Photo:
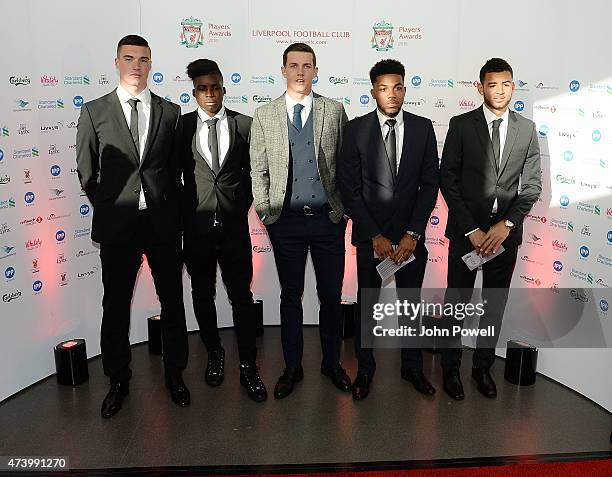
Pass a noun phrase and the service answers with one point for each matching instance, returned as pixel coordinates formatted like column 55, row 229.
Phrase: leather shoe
column 339, row 378
column 418, row 380
column 215, row 367
column 114, row 398
column 361, row 387
column 453, row 386
column 284, row 385
column 485, row 382
column 178, row 391
column 251, row 380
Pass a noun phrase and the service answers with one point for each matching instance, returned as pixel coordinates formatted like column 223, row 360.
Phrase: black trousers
column 408, row 281
column 230, row 247
column 120, row 265
column 292, row 235
column 496, row 279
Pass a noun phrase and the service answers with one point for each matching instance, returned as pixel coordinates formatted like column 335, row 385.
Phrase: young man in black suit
column 128, row 153
column 389, row 184
column 218, row 196
column 490, row 180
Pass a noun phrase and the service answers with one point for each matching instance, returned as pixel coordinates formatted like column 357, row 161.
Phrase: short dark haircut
column 387, row 67
column 494, row 65
column 303, row 47
column 203, row 67
column 133, row 40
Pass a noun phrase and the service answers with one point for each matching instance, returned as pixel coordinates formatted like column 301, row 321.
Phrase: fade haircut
column 495, row 65
column 387, row 67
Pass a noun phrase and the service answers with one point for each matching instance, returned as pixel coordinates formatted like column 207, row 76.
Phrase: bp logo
column 77, row 101
column 584, row 251
column 158, row 78
column 364, row 99
column 37, row 286
column 185, row 98
column 55, row 170
column 60, row 235
column 519, row 106
column 84, row 209
column 564, row 201
column 236, row 78
column 434, row 220
column 604, row 305
column 574, row 86
column 191, row 33
column 29, row 197
column 382, row 37
column 558, row 266
column 9, row 273
column 416, row 81
column 610, row 236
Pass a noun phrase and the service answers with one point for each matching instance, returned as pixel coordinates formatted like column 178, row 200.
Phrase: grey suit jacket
column 270, row 154
column 471, row 179
column 111, row 172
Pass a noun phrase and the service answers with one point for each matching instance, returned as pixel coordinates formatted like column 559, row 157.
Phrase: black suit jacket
column 377, row 202
column 229, row 192
column 111, row 172
column 471, row 179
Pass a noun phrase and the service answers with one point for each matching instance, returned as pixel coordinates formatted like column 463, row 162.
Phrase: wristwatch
column 509, row 224
column 416, row 237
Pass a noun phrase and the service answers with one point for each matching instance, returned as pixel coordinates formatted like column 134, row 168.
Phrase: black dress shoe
column 419, row 381
column 114, row 398
column 178, row 391
column 486, row 385
column 453, row 386
column 215, row 368
column 251, row 380
column 361, row 387
column 339, row 378
column 284, row 385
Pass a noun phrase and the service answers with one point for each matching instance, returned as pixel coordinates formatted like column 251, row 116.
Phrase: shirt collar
column 205, row 117
column 144, row 96
column 306, row 102
column 382, row 118
column 490, row 116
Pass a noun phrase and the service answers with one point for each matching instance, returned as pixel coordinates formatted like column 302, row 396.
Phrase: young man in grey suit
column 295, row 143
column 128, row 153
column 216, row 173
column 490, row 179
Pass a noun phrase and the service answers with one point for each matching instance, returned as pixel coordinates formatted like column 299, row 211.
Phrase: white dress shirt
column 144, row 114
column 223, row 136
column 399, row 132
column 306, row 102
column 490, row 116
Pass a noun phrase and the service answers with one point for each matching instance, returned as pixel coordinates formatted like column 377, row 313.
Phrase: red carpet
column 590, row 468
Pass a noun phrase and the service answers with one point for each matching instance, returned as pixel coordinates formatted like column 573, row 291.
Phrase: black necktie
column 213, row 144
column 297, row 116
column 390, row 145
column 134, row 123
column 495, row 139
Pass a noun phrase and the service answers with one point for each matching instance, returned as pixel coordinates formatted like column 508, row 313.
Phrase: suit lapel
column 122, row 126
column 318, row 109
column 281, row 117
column 511, row 135
column 154, row 120
column 482, row 131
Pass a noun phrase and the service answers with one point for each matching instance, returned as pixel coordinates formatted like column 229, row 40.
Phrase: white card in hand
column 473, row 260
column 388, row 267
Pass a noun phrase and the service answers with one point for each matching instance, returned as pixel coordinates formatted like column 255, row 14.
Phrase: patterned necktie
column 390, row 144
column 213, row 144
column 297, row 116
column 134, row 123
column 495, row 139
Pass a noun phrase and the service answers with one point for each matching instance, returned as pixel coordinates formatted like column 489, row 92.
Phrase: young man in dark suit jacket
column 216, row 174
column 128, row 153
column 389, row 184
column 490, row 180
